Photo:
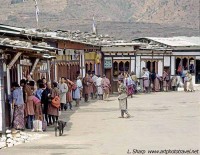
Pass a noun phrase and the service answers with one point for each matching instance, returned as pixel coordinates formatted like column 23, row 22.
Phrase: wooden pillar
column 156, row 67
column 151, row 66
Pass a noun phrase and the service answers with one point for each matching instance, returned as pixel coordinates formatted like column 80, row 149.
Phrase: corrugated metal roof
column 177, row 41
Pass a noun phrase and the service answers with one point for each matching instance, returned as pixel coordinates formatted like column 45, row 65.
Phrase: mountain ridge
column 121, row 18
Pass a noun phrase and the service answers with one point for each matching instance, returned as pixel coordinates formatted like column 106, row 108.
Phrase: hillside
column 121, row 18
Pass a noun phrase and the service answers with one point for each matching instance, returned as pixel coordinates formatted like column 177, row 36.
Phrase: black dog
column 60, row 125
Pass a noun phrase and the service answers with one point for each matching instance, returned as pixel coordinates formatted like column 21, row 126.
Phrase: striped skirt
column 18, row 117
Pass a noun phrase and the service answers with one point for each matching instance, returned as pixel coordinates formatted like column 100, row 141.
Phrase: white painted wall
column 118, row 49
column 143, row 64
column 138, row 68
column 121, row 58
column 132, row 65
column 160, row 68
column 186, row 53
column 167, row 61
column 83, row 63
column 173, row 65
column 150, row 57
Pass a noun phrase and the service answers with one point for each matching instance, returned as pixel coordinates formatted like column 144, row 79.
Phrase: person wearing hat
column 106, row 86
column 123, row 99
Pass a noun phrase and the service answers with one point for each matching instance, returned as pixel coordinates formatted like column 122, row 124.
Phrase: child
column 174, row 83
column 123, row 99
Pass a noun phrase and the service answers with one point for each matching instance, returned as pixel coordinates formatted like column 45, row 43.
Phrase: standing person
column 86, row 87
column 99, row 87
column 18, row 107
column 28, row 106
column 145, row 80
column 30, row 112
column 106, row 87
column 174, row 83
column 185, row 81
column 63, row 92
column 190, row 83
column 46, row 100
column 135, row 81
column 80, row 85
column 77, row 91
column 94, row 78
column 37, row 108
column 123, row 99
column 128, row 82
column 53, row 111
column 156, row 83
column 166, row 80
column 120, row 76
column 91, row 86
column 69, row 94
column 30, row 80
column 39, row 91
column 44, row 81
column 153, row 81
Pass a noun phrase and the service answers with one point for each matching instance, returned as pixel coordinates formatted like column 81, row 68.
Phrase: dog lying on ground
column 60, row 125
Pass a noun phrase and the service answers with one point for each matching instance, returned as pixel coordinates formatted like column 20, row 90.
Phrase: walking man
column 123, row 99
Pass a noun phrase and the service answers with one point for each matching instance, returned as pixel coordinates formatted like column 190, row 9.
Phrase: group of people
column 34, row 100
column 128, row 84
column 95, row 86
column 153, row 82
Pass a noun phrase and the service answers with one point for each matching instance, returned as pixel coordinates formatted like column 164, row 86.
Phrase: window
column 191, row 66
column 197, row 71
column 178, row 65
column 152, row 66
column 91, row 67
column 185, row 64
column 121, row 66
column 115, row 69
column 127, row 66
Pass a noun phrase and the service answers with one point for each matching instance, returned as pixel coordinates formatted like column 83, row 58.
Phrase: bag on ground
column 37, row 126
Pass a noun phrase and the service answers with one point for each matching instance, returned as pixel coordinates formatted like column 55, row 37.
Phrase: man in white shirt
column 145, row 80
column 99, row 87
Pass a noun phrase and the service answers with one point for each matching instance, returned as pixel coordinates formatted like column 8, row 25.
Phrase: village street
column 159, row 121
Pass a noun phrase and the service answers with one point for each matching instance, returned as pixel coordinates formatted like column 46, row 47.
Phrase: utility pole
column 37, row 13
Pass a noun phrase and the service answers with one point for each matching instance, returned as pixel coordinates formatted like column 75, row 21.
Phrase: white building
column 171, row 54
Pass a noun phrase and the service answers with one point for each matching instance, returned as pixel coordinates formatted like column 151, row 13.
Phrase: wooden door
column 108, row 73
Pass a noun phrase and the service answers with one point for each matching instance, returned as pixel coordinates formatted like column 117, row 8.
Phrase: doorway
column 109, row 76
column 197, row 72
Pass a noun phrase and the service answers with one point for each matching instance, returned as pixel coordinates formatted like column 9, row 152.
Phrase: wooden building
column 73, row 53
column 18, row 59
column 119, row 57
